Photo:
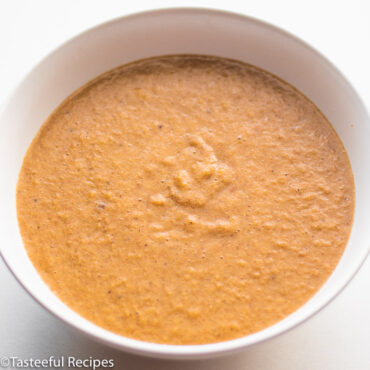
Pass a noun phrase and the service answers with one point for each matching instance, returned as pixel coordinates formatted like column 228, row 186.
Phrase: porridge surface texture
column 185, row 200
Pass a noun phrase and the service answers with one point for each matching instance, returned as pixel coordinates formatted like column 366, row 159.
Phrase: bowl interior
column 171, row 32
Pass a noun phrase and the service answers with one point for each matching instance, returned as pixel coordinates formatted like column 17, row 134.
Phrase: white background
column 338, row 338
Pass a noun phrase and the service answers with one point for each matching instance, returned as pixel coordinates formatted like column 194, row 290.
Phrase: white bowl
column 174, row 31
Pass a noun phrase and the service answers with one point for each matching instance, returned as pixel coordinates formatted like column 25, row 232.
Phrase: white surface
column 339, row 337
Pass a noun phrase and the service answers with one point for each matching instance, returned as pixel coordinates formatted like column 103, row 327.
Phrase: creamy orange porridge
column 185, row 200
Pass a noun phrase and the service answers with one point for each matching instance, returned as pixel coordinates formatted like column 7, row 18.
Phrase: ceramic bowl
column 172, row 31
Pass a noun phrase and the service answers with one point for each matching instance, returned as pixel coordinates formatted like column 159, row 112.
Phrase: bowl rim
column 171, row 351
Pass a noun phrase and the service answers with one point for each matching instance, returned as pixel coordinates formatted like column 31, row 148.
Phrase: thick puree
column 185, row 200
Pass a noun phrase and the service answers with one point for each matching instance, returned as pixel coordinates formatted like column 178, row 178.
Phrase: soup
column 185, row 200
